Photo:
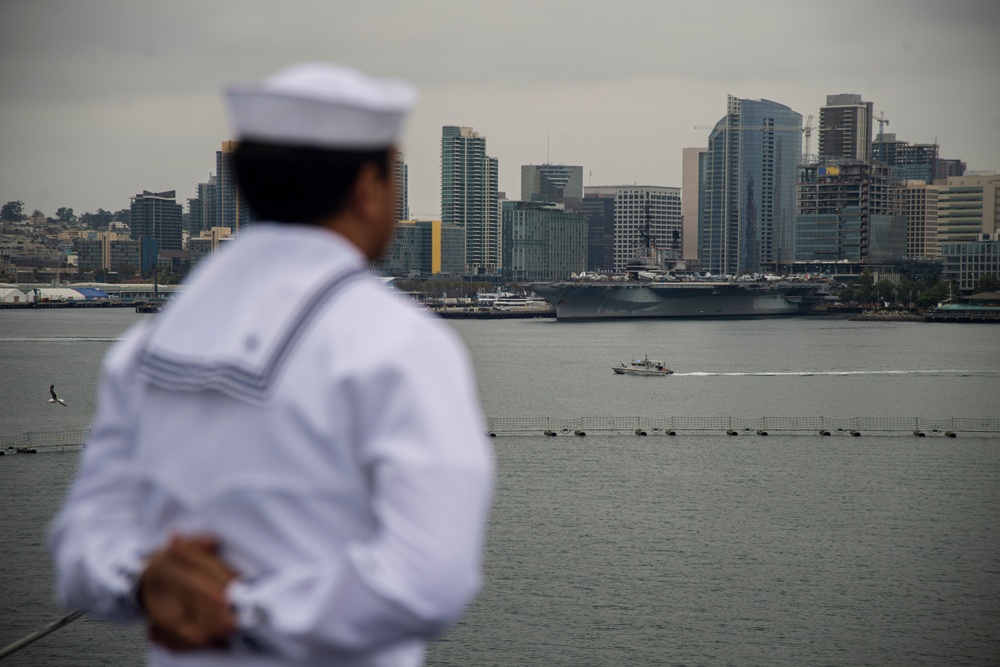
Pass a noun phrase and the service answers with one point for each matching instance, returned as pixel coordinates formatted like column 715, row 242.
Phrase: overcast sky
column 102, row 99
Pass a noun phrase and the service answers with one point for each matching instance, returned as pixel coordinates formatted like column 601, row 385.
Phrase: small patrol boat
column 644, row 366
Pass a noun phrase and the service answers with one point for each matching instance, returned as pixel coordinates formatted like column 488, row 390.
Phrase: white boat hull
column 639, row 371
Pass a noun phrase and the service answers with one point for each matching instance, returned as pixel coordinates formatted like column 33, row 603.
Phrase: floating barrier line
column 853, row 426
column 38, row 634
column 579, row 426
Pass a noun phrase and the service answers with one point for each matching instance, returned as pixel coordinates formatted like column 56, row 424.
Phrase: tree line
column 907, row 293
column 13, row 211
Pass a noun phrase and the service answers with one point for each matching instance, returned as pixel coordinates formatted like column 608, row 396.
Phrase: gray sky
column 102, row 99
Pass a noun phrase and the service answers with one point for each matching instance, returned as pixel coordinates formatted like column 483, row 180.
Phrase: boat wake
column 930, row 373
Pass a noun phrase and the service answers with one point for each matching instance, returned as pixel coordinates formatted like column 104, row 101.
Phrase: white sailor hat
column 322, row 105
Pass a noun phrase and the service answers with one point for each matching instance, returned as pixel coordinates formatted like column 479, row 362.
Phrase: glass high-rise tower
column 747, row 203
column 469, row 196
column 401, row 174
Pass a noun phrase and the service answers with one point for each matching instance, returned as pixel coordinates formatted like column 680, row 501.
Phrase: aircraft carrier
column 591, row 300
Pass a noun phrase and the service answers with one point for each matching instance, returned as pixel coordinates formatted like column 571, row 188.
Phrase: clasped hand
column 182, row 591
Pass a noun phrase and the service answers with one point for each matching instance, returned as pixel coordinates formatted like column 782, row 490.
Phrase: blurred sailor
column 288, row 464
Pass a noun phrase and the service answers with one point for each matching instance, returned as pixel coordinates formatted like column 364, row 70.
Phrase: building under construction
column 848, row 211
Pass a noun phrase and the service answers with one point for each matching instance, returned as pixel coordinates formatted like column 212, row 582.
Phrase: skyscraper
column 469, row 196
column 919, row 206
column 201, row 211
column 401, row 173
column 691, row 165
column 845, row 129
column 747, row 202
column 552, row 183
column 231, row 207
column 157, row 215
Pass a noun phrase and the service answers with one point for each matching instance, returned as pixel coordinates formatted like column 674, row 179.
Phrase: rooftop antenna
column 548, row 136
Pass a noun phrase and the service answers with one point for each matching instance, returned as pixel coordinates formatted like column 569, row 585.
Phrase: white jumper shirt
column 324, row 429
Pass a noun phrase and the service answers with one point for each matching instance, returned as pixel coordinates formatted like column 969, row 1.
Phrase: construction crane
column 807, row 131
column 882, row 120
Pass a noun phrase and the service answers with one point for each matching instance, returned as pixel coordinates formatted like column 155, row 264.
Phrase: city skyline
column 95, row 110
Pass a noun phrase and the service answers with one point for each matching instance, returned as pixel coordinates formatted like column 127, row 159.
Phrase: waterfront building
column 967, row 262
column 907, row 162
column 850, row 212
column 231, row 208
column 542, row 241
column 919, row 203
column 968, row 207
column 401, row 173
column 469, row 196
column 599, row 210
column 424, row 248
column 157, row 215
column 747, row 203
column 692, row 166
column 553, row 183
column 845, row 129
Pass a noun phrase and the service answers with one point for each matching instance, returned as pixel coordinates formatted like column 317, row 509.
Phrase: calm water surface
column 695, row 550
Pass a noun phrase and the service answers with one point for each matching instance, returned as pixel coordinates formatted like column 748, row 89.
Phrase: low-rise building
column 966, row 263
column 424, row 248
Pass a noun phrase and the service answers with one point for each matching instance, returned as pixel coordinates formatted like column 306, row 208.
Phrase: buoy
column 580, row 432
column 550, row 433
column 639, row 431
column 950, row 434
column 732, row 432
column 919, row 433
column 761, row 431
column 823, row 431
column 856, row 434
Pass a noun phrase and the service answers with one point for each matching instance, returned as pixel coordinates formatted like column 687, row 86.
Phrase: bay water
column 620, row 550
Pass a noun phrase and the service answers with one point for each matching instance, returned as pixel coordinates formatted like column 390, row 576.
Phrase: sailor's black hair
column 300, row 184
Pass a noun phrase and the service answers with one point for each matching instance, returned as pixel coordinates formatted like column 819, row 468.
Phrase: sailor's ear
column 368, row 195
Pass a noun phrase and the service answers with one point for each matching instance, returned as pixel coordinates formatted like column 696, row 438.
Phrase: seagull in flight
column 55, row 399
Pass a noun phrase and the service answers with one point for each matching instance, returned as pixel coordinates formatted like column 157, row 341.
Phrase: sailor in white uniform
column 312, row 437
